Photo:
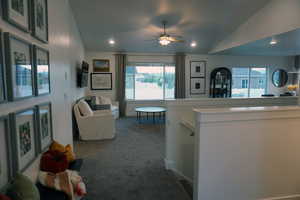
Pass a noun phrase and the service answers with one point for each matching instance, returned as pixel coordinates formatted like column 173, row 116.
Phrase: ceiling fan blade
column 173, row 39
column 177, row 36
column 182, row 41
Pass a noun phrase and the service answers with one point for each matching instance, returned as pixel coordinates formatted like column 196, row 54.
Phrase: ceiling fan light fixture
column 193, row 44
column 111, row 42
column 164, row 41
column 273, row 42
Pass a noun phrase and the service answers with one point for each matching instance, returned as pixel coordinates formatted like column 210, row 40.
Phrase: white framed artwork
column 198, row 69
column 197, row 86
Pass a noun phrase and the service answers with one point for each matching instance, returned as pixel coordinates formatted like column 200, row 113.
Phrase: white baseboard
column 170, row 165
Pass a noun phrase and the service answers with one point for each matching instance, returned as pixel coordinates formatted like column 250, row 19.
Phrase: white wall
column 215, row 61
column 275, row 18
column 66, row 52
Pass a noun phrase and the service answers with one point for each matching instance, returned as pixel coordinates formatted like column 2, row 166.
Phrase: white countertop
column 232, row 98
column 246, row 109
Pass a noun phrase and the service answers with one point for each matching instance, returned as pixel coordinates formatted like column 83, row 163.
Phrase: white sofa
column 94, row 125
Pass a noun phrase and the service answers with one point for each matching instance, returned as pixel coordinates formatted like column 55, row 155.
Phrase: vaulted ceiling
column 133, row 24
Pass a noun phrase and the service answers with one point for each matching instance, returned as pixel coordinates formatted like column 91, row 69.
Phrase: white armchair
column 94, row 125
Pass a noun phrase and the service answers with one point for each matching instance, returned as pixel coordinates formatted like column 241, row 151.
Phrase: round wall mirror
column 279, row 78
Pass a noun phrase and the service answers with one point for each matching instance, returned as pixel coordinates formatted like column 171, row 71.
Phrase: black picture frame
column 101, row 75
column 38, row 91
column 41, row 144
column 35, row 23
column 18, row 166
column 11, row 85
column 3, row 90
column 8, row 152
column 8, row 14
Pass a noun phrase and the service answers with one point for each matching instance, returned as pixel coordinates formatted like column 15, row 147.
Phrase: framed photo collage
column 24, row 73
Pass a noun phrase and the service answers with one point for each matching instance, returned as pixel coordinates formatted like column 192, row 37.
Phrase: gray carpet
column 129, row 167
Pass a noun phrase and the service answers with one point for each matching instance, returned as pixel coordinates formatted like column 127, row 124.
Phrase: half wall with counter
column 248, row 153
column 180, row 125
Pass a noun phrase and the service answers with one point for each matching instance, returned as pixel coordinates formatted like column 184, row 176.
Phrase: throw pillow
column 23, row 189
column 105, row 100
column 55, row 146
column 97, row 100
column 54, row 161
column 60, row 182
column 84, row 108
column 69, row 153
column 3, row 197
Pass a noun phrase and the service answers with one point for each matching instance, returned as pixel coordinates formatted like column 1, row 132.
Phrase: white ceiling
column 132, row 23
column 288, row 44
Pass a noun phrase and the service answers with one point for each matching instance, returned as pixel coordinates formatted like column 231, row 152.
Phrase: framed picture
column 2, row 74
column 17, row 13
column 40, row 20
column 100, row 65
column 198, row 69
column 101, row 81
column 45, row 134
column 5, row 153
column 41, row 71
column 197, row 85
column 24, row 138
column 19, row 70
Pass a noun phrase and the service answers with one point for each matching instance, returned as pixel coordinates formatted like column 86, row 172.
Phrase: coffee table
column 161, row 111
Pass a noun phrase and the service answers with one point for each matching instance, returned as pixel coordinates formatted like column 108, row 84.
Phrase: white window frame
column 158, row 64
column 249, row 78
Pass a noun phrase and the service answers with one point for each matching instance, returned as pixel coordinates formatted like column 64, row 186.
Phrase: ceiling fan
column 165, row 39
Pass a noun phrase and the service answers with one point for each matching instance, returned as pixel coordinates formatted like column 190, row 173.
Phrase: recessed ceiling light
column 273, row 42
column 193, row 44
column 111, row 41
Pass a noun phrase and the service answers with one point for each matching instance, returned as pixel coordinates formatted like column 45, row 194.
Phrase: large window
column 249, row 81
column 148, row 81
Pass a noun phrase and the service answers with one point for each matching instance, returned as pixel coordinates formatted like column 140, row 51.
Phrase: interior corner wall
column 89, row 57
column 280, row 17
column 66, row 53
column 215, row 61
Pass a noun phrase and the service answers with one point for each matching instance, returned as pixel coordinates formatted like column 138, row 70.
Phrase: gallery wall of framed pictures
column 197, row 77
column 30, row 16
column 24, row 134
column 26, row 70
column 24, row 73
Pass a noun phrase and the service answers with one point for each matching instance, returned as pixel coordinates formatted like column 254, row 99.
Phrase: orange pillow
column 69, row 153
column 55, row 146
column 67, row 150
